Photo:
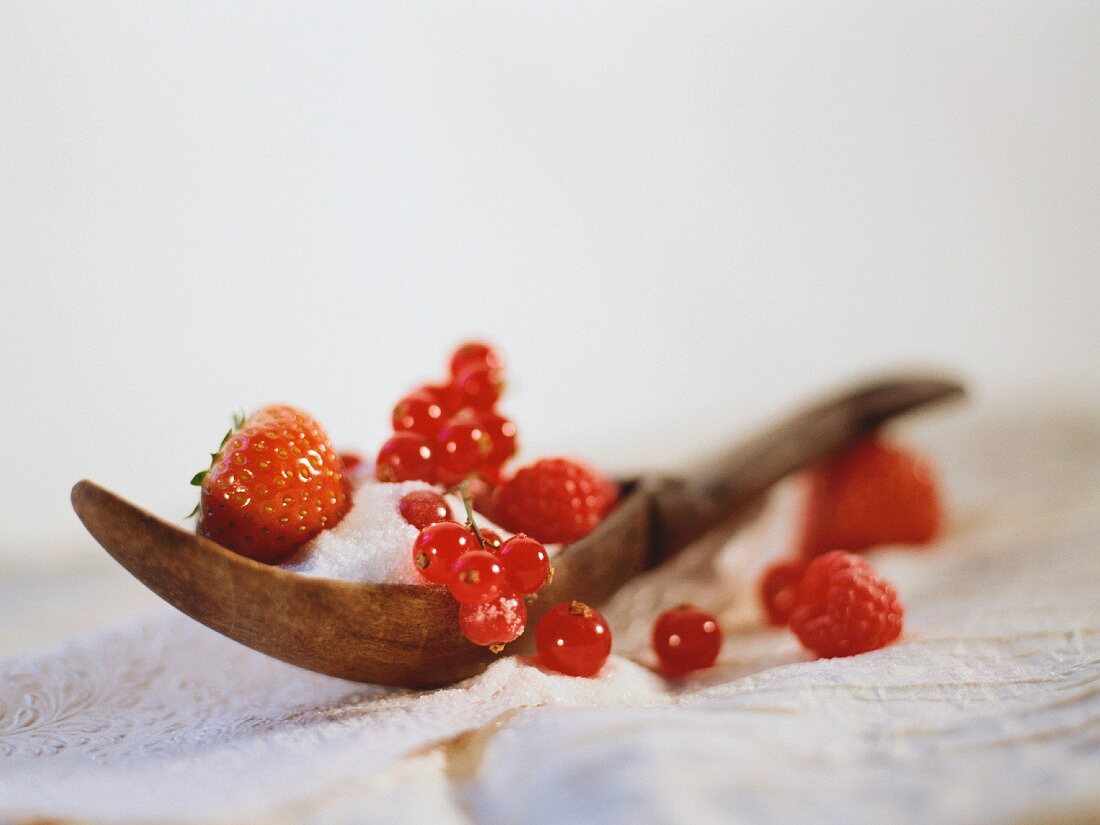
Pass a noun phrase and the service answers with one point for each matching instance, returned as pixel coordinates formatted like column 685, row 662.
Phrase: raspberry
column 844, row 607
column 554, row 500
column 779, row 589
column 869, row 494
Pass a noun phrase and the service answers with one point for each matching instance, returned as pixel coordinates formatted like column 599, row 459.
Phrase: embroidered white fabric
column 988, row 710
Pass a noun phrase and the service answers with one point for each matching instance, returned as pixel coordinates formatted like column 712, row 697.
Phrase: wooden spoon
column 408, row 635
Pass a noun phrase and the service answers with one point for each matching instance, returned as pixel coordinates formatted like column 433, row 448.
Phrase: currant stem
column 471, row 523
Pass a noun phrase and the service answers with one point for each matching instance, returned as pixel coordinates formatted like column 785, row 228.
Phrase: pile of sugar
column 373, row 542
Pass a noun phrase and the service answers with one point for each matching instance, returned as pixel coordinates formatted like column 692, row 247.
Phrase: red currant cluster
column 487, row 576
column 452, row 435
column 444, row 433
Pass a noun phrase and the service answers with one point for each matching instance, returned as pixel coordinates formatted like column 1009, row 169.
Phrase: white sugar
column 373, row 542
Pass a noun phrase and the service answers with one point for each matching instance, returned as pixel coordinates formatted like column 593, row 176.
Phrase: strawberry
column 869, row 494
column 554, row 500
column 274, row 484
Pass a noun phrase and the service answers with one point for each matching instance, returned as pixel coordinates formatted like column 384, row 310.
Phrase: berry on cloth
column 686, row 639
column 779, row 589
column 423, row 507
column 407, row 456
column 553, row 500
column 495, row 623
column 869, row 494
column 844, row 607
column 573, row 639
column 274, row 484
column 438, row 547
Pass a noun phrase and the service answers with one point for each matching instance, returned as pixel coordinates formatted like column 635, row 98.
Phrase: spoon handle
column 713, row 493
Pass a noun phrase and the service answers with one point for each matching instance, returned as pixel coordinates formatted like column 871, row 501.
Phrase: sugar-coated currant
column 406, row 457
column 686, row 639
column 479, row 387
column 526, row 563
column 423, row 507
column 438, row 547
column 496, row 623
column 474, row 353
column 461, row 446
column 573, row 639
column 477, row 578
column 420, row 413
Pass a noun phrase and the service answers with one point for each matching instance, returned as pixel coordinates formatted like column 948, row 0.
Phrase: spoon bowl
column 408, row 635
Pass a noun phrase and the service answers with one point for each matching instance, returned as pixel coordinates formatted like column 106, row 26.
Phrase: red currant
column 445, row 396
column 479, row 387
column 526, row 563
column 419, row 413
column 462, row 447
column 438, row 547
column 573, row 639
column 351, row 461
column 405, row 457
column 477, row 578
column 779, row 589
column 502, row 433
column 474, row 353
column 686, row 639
column 493, row 541
column 496, row 623
column 423, row 507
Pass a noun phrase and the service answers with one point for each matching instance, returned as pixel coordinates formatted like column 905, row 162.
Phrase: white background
column 675, row 218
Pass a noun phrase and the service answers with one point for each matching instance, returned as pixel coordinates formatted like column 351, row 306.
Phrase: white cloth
column 987, row 710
